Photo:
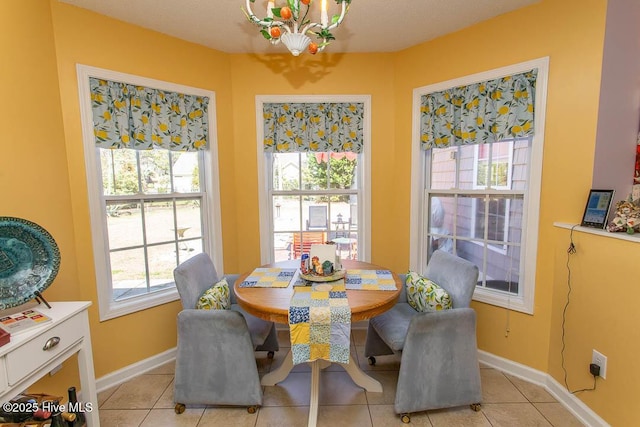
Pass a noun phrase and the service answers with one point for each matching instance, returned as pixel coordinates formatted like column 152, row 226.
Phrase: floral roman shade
column 479, row 113
column 293, row 127
column 142, row 118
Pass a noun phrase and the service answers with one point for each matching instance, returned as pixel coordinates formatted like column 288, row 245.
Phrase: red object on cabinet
column 5, row 337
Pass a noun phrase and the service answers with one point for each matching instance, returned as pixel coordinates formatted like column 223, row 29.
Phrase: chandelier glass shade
column 292, row 24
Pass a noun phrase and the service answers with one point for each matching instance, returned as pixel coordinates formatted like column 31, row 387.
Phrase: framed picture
column 597, row 209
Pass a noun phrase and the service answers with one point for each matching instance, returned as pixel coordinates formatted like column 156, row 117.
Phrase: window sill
column 621, row 236
column 502, row 299
column 111, row 310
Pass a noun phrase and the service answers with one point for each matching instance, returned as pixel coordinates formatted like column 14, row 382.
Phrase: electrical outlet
column 600, row 360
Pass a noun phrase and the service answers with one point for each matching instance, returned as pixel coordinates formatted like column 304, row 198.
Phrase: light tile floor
column 147, row 400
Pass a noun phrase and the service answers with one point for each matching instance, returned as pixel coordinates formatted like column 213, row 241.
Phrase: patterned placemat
column 371, row 280
column 269, row 278
column 320, row 323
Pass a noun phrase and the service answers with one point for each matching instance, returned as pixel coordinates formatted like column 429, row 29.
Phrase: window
column 478, row 215
column 480, row 200
column 313, row 197
column 150, row 209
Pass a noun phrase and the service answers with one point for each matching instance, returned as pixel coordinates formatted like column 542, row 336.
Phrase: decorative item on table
column 29, row 261
column 627, row 216
column 324, row 264
column 304, row 264
column 23, row 320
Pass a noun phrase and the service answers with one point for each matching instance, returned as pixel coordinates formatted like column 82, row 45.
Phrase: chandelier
column 291, row 24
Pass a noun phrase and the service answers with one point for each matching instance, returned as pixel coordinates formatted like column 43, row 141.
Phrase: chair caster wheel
column 179, row 408
column 270, row 355
column 475, row 407
column 405, row 418
column 252, row 409
column 371, row 360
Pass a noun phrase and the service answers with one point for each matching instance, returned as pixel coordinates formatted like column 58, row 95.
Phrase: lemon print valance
column 143, row 118
column 313, row 127
column 483, row 112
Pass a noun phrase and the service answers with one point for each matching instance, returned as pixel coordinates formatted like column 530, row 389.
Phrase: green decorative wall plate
column 29, row 261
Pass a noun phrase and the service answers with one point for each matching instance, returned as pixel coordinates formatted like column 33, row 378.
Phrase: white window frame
column 212, row 225
column 265, row 179
column 419, row 216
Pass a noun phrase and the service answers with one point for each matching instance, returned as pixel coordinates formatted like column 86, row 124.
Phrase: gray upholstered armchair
column 439, row 364
column 215, row 362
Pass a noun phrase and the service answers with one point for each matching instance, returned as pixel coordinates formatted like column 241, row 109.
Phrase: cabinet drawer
column 31, row 356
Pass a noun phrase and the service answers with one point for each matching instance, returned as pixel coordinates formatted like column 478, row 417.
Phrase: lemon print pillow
column 425, row 295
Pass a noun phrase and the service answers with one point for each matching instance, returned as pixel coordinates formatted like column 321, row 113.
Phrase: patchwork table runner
column 269, row 278
column 320, row 323
column 371, row 280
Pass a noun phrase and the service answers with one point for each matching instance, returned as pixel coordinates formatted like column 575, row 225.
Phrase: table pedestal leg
column 315, row 393
column 360, row 378
column 357, row 375
column 281, row 373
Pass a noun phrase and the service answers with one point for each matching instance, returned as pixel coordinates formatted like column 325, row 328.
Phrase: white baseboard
column 574, row 405
column 122, row 375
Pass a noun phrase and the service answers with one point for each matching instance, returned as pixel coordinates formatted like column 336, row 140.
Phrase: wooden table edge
column 281, row 315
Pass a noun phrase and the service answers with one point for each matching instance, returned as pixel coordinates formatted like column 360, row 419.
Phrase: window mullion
column 139, row 170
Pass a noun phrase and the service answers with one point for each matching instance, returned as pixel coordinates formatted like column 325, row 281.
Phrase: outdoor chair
column 439, row 357
column 302, row 242
column 318, row 218
column 215, row 361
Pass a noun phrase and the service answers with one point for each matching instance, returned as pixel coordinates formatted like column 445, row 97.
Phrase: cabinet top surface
column 59, row 312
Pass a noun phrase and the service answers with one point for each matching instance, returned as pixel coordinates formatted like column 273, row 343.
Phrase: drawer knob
column 51, row 342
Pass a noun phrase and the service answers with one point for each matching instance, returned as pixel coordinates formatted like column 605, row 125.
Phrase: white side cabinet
column 30, row 355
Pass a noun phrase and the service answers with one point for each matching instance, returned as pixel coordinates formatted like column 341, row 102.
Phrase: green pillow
column 216, row 297
column 425, row 295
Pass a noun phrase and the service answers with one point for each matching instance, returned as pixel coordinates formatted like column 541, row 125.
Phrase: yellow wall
column 87, row 38
column 330, row 74
column 34, row 179
column 42, row 175
column 573, row 40
column 601, row 312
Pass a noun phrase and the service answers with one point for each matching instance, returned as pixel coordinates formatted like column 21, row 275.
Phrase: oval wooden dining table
column 273, row 304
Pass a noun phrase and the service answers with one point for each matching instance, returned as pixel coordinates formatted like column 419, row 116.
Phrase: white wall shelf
column 621, row 236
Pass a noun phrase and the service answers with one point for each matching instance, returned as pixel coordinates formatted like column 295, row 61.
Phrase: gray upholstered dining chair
column 215, row 361
column 439, row 357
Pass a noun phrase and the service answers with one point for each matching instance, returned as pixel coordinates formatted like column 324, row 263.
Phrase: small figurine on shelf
column 627, row 216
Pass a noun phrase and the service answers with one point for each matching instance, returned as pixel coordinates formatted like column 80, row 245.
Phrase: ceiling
column 370, row 25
